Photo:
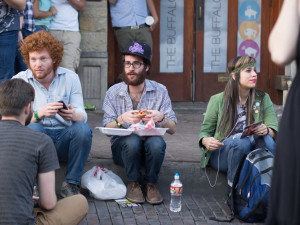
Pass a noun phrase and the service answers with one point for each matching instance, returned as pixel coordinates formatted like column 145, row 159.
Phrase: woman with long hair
column 229, row 112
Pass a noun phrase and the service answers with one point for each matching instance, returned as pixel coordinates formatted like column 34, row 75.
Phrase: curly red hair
column 40, row 40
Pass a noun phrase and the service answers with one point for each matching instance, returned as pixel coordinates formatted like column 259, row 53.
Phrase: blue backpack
column 249, row 195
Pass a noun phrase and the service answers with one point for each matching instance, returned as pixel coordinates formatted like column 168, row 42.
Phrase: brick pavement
column 199, row 201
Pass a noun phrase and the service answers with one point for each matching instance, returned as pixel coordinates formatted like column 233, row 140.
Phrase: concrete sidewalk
column 200, row 201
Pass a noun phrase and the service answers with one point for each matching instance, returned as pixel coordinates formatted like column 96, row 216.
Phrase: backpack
column 249, row 194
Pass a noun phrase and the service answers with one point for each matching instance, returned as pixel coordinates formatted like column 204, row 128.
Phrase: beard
column 28, row 119
column 44, row 74
column 140, row 78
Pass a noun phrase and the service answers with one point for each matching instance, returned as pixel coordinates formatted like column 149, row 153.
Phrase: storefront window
column 171, row 36
column 215, row 36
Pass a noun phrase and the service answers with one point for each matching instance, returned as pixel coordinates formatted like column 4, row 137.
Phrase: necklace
column 243, row 104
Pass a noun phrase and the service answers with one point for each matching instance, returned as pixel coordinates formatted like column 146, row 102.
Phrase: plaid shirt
column 28, row 21
column 155, row 97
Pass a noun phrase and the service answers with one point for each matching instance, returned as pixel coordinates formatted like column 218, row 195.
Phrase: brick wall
column 93, row 63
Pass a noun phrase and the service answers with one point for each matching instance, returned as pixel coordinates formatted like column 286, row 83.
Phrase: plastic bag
column 103, row 184
column 141, row 126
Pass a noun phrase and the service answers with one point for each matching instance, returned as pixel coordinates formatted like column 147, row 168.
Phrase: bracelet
column 268, row 131
column 118, row 125
column 36, row 116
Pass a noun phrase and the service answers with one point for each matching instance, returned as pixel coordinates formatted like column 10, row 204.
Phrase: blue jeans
column 232, row 152
column 8, row 49
column 132, row 152
column 73, row 145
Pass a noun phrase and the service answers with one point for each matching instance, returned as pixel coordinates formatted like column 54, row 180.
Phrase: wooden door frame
column 170, row 80
column 268, row 70
column 265, row 82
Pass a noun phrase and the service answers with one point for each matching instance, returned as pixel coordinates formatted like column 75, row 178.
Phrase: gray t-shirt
column 23, row 154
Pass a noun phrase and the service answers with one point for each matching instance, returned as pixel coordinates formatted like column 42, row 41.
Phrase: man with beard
column 121, row 106
column 27, row 155
column 67, row 127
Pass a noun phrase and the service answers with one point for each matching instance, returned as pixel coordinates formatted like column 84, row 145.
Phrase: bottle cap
column 149, row 20
column 176, row 175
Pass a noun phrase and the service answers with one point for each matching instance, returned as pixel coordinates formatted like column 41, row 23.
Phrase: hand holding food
column 142, row 113
column 130, row 117
column 156, row 115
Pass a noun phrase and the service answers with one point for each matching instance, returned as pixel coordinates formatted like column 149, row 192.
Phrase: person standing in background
column 284, row 45
column 128, row 20
column 65, row 27
column 43, row 13
column 28, row 27
column 9, row 28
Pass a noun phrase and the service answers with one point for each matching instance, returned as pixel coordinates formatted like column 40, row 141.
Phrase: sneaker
column 134, row 192
column 152, row 194
column 68, row 189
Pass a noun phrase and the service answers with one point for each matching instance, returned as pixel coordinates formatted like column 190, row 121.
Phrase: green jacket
column 214, row 113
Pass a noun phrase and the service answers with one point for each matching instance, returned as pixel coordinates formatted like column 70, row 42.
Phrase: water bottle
column 176, row 192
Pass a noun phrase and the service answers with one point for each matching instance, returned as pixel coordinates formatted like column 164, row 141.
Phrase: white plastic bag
column 103, row 184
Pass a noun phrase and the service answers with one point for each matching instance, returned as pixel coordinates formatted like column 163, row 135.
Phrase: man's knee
column 37, row 127
column 132, row 143
column 81, row 130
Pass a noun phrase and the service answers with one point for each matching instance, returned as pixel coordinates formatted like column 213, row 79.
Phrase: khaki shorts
column 68, row 211
column 71, row 42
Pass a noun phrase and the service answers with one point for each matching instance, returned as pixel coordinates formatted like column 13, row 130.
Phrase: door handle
column 200, row 13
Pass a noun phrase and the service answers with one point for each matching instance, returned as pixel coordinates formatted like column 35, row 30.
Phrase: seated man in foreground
column 58, row 108
column 121, row 106
column 27, row 155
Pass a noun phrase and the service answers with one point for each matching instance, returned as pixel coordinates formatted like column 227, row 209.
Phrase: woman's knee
column 270, row 143
column 241, row 146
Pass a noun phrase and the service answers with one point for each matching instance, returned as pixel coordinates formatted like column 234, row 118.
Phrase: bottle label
column 176, row 190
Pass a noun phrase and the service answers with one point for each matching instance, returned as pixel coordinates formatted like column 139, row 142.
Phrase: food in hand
column 142, row 113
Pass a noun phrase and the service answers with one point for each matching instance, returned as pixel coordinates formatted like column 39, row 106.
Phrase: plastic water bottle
column 176, row 192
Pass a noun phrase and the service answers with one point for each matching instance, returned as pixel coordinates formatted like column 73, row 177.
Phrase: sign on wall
column 171, row 36
column 249, row 29
column 215, row 36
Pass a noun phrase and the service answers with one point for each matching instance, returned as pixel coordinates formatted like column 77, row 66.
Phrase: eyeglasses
column 135, row 64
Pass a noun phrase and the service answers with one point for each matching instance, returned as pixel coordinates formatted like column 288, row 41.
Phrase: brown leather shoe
column 152, row 194
column 134, row 192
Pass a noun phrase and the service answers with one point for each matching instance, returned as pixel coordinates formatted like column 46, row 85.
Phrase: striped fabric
column 23, row 154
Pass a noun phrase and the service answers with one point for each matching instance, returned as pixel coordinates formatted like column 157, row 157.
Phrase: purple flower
column 136, row 48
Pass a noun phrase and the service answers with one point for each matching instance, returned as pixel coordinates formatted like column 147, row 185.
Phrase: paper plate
column 151, row 132
column 114, row 131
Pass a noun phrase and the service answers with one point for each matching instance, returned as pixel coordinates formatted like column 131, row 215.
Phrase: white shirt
column 66, row 17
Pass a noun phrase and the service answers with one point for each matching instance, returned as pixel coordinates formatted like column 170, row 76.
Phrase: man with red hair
column 58, row 108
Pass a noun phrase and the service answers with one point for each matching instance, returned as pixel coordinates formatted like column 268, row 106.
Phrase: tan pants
column 71, row 42
column 125, row 35
column 68, row 211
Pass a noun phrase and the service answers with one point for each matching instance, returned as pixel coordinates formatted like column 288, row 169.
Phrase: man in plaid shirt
column 121, row 106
